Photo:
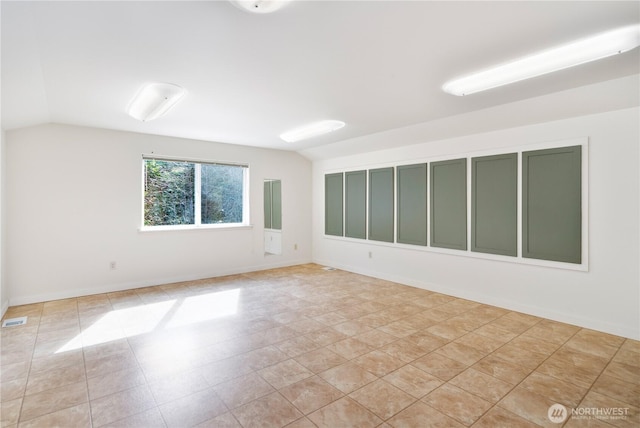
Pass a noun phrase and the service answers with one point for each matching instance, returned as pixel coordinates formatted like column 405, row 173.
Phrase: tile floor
column 304, row 347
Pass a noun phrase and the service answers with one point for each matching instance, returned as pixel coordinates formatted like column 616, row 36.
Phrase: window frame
column 197, row 225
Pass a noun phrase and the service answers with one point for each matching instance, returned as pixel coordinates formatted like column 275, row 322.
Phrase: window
column 186, row 193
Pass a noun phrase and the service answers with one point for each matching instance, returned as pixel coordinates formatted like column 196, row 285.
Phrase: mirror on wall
column 272, row 216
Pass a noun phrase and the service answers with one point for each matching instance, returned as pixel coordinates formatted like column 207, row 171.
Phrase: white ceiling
column 377, row 65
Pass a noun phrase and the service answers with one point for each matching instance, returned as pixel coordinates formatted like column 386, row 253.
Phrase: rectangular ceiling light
column 311, row 130
column 555, row 59
column 153, row 100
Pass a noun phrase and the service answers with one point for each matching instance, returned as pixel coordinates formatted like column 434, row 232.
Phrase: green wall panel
column 552, row 204
column 381, row 204
column 267, row 205
column 449, row 204
column 356, row 204
column 412, row 204
column 333, row 204
column 276, row 204
column 494, row 204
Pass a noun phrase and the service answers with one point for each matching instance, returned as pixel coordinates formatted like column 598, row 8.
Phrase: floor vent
column 328, row 268
column 12, row 322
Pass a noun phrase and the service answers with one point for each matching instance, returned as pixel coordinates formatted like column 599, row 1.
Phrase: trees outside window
column 180, row 193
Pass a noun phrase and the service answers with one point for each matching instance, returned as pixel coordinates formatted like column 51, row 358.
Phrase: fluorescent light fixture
column 153, row 100
column 311, row 130
column 554, row 59
column 259, row 6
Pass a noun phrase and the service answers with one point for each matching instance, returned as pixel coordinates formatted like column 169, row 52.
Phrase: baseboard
column 110, row 288
column 599, row 325
column 5, row 306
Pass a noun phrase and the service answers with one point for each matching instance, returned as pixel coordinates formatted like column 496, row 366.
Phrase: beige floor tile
column 520, row 356
column 376, row 338
column 458, row 404
column 627, row 415
column 347, row 377
column 120, row 405
column 263, row 357
column 297, row 346
column 623, row 371
column 350, row 348
column 10, row 412
column 426, row 341
column 272, row 410
column 499, row 417
column 77, row 416
column 109, row 383
column 320, row 360
column 49, row 379
column 626, row 392
column 226, row 420
column 423, row 416
column 285, row 373
column 574, row 367
column 413, row 381
column 440, row 366
column 311, row 394
column 241, row 390
column 345, row 409
column 481, row 343
column 52, row 400
column 12, row 389
column 481, row 384
column 316, row 335
column 557, row 390
column 177, row 386
column 463, row 353
column 378, row 363
column 404, row 350
column 192, row 409
column 382, row 398
column 529, row 405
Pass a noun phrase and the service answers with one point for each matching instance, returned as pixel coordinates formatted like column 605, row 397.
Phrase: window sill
column 146, row 229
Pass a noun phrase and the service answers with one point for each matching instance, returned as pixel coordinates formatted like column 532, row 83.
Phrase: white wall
column 4, row 295
column 73, row 205
column 606, row 298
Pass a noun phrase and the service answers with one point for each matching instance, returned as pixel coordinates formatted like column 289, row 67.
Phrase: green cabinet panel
column 449, row 204
column 333, row 204
column 381, row 204
column 552, row 204
column 355, row 204
column 494, row 204
column 267, row 205
column 272, row 204
column 276, row 204
column 412, row 204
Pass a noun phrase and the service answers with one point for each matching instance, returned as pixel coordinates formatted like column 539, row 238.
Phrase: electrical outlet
column 370, row 255
column 295, row 247
column 112, row 265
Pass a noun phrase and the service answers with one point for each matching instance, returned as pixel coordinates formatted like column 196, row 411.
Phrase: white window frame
column 198, row 196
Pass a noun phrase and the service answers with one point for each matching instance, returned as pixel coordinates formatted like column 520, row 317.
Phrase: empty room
column 306, row 213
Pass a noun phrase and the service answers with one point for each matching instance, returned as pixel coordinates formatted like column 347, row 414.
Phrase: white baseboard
column 5, row 306
column 594, row 324
column 110, row 288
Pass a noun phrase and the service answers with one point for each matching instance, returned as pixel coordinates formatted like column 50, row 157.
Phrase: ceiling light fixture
column 259, row 6
column 153, row 100
column 554, row 59
column 311, row 130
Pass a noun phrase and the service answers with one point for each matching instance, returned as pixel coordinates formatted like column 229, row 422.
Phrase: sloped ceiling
column 377, row 65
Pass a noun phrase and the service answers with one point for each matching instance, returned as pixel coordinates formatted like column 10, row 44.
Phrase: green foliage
column 221, row 194
column 169, row 195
